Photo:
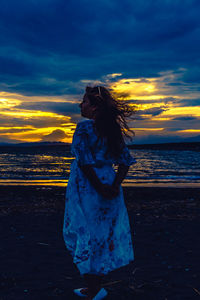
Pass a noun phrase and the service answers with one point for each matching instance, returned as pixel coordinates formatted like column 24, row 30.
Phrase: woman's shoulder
column 85, row 124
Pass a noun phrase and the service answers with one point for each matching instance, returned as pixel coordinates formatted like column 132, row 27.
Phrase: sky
column 50, row 50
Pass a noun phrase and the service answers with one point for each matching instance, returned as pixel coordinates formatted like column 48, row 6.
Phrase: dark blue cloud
column 64, row 108
column 55, row 135
column 154, row 111
column 70, row 41
column 173, row 128
column 193, row 74
column 186, row 118
column 189, row 102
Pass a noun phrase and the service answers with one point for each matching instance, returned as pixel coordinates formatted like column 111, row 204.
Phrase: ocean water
column 153, row 168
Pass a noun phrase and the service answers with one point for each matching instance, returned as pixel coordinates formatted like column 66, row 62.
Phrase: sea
column 154, row 167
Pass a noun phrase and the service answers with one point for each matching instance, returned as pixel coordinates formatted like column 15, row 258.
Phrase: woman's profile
column 96, row 227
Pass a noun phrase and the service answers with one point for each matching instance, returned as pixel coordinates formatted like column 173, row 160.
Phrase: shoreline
column 129, row 185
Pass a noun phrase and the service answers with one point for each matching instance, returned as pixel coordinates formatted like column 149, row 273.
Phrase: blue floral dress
column 96, row 230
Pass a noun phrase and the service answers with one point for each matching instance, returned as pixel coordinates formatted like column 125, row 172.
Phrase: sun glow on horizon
column 17, row 125
column 189, row 130
column 183, row 111
column 158, row 108
column 148, row 129
column 36, row 134
column 132, row 88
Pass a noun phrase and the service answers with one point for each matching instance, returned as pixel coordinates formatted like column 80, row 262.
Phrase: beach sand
column 35, row 263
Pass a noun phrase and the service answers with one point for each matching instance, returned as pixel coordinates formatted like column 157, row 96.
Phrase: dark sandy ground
column 35, row 263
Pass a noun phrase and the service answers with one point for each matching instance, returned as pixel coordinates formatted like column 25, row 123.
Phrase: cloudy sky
column 51, row 49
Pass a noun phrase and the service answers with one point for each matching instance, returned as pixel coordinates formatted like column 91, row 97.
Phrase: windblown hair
column 110, row 120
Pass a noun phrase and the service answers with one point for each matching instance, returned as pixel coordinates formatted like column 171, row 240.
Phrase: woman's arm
column 108, row 191
column 90, row 173
column 120, row 175
column 92, row 176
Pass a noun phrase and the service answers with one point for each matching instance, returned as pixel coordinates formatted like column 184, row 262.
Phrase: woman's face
column 87, row 110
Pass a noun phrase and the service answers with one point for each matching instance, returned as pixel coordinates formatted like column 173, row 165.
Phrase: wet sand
column 35, row 263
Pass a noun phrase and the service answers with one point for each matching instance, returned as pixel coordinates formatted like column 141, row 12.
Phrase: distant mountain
column 192, row 146
column 192, row 139
column 31, row 144
column 49, row 148
column 186, row 144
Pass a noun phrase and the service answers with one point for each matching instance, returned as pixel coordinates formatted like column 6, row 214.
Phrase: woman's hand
column 108, row 191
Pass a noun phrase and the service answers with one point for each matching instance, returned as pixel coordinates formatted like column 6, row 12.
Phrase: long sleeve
column 80, row 145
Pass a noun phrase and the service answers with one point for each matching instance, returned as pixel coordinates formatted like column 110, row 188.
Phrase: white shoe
column 101, row 294
column 78, row 292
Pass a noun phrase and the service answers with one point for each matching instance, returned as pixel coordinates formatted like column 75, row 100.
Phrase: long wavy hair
column 110, row 119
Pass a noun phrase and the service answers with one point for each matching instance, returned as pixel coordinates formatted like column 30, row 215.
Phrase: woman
column 96, row 227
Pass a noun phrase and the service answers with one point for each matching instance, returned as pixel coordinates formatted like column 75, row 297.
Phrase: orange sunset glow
column 34, row 119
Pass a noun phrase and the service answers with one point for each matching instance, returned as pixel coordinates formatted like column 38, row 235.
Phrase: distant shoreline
column 194, row 146
column 58, row 146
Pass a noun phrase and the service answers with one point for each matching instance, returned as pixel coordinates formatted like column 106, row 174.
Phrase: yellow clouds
column 113, row 75
column 145, row 106
column 7, row 103
column 6, row 130
column 166, row 105
column 43, row 134
column 190, row 131
column 183, row 111
column 26, row 114
column 148, row 129
column 55, row 135
column 9, row 100
column 134, row 88
column 151, row 88
column 19, row 124
column 141, row 89
column 33, row 134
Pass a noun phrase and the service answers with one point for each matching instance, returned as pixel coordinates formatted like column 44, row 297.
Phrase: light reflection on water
column 154, row 167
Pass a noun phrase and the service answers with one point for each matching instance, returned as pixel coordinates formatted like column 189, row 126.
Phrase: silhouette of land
column 59, row 148
column 193, row 146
